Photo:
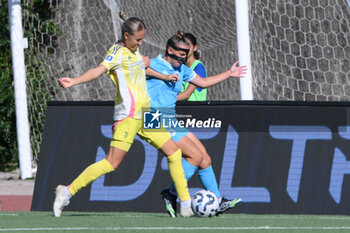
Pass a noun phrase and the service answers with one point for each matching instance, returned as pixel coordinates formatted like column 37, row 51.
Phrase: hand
column 66, row 82
column 172, row 77
column 146, row 60
column 237, row 71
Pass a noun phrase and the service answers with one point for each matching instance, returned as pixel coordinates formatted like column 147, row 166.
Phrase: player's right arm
column 89, row 75
column 169, row 77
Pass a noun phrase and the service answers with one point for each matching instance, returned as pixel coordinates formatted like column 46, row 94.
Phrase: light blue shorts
column 177, row 133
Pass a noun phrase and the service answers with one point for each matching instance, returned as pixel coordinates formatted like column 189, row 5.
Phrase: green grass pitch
column 161, row 223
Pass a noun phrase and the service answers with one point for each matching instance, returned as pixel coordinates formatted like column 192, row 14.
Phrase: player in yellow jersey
column 126, row 67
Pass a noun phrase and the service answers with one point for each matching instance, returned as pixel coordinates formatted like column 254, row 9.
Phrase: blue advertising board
column 279, row 157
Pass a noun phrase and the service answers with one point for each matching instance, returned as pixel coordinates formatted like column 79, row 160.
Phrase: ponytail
column 190, row 37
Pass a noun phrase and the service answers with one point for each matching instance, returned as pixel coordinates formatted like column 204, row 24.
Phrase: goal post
column 243, row 45
column 19, row 75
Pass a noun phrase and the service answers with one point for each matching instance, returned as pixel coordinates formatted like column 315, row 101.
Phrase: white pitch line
column 175, row 228
column 287, row 217
column 9, row 215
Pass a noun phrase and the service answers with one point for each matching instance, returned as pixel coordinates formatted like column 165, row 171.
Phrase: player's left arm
column 234, row 71
column 200, row 70
column 187, row 93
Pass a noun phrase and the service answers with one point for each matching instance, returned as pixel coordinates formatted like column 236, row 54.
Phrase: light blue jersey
column 163, row 94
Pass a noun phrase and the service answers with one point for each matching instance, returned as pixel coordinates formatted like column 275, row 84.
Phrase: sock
column 89, row 175
column 208, row 180
column 186, row 204
column 189, row 170
column 67, row 193
column 177, row 175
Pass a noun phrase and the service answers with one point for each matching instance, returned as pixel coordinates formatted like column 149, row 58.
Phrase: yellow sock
column 178, row 176
column 89, row 175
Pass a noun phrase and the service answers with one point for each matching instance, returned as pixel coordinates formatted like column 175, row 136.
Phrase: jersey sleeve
column 112, row 59
column 188, row 74
column 200, row 70
column 153, row 64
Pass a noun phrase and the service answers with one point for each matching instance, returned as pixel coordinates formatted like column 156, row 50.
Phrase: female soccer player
column 189, row 91
column 163, row 91
column 126, row 67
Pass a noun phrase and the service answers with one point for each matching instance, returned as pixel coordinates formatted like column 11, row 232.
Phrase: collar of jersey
column 123, row 45
column 160, row 57
column 120, row 43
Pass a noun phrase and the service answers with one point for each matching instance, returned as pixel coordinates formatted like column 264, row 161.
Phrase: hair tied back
column 122, row 15
column 180, row 34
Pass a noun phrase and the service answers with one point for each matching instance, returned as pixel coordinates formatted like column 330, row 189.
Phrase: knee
column 195, row 158
column 206, row 161
column 115, row 157
column 198, row 157
column 114, row 162
column 169, row 148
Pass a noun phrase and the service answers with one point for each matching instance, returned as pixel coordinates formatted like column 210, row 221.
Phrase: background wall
column 300, row 49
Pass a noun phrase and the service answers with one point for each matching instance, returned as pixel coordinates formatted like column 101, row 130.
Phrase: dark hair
column 131, row 25
column 193, row 40
column 175, row 40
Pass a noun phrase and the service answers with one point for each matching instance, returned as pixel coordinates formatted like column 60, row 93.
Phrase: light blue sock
column 189, row 170
column 208, row 180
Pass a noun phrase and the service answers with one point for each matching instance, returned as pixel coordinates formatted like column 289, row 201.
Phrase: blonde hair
column 131, row 25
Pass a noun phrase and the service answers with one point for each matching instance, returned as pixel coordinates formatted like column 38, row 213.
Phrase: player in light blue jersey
column 169, row 90
column 164, row 83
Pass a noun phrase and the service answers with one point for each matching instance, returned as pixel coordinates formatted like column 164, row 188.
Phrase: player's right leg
column 90, row 174
column 61, row 200
column 120, row 144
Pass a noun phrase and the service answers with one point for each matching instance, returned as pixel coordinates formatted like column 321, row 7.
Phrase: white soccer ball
column 204, row 203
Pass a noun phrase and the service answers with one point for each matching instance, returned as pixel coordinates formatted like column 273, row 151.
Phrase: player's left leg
column 190, row 162
column 205, row 171
column 161, row 140
column 192, row 157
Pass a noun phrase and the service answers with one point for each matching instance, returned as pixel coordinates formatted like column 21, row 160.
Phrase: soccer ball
column 204, row 203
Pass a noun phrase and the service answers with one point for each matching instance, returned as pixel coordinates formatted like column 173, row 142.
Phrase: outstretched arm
column 235, row 71
column 86, row 77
